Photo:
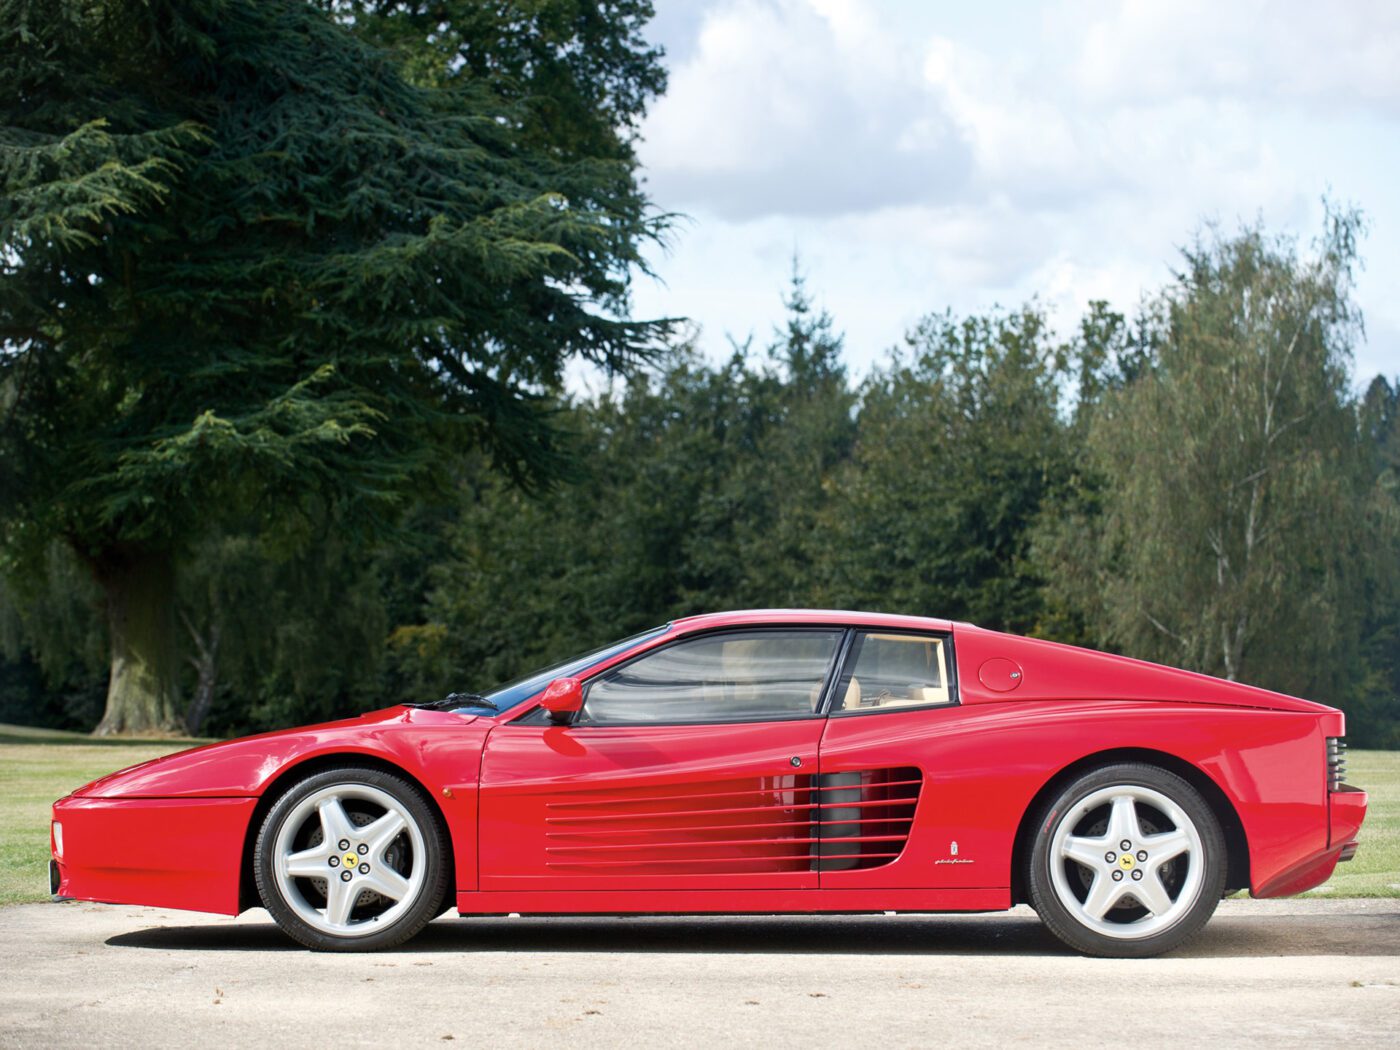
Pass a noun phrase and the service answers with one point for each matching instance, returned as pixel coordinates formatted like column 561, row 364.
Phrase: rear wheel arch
column 279, row 785
column 1236, row 843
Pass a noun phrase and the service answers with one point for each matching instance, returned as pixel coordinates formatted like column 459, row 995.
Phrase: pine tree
column 249, row 267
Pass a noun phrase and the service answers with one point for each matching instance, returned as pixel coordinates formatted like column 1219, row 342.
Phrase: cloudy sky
column 921, row 154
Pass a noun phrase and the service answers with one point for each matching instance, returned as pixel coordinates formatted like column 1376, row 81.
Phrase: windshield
column 513, row 693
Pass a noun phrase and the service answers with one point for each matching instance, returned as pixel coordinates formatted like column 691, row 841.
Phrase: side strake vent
column 1336, row 763
column 785, row 823
column 862, row 819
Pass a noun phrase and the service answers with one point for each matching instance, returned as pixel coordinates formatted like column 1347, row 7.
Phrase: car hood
column 244, row 767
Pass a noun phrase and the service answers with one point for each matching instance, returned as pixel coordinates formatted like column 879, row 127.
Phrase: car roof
column 838, row 617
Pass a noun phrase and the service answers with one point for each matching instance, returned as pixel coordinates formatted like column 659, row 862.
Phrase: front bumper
column 167, row 852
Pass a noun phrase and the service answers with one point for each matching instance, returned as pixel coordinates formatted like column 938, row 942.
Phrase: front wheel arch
column 1236, row 843
column 278, row 786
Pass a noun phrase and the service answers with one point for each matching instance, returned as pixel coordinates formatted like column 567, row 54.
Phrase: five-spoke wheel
column 1129, row 860
column 351, row 859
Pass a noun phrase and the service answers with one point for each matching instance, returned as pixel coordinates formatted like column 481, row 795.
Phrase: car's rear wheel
column 1128, row 861
column 351, row 859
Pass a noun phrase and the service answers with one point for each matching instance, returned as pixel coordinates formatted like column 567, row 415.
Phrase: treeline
column 1198, row 484
column 287, row 293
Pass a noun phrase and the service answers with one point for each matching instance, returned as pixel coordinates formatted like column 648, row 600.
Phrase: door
column 885, row 811
column 690, row 767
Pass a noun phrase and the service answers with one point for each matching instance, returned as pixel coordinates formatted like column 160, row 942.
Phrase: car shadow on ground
column 1225, row 937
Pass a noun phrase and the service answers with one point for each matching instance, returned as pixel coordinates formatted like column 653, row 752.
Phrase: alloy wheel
column 1117, row 870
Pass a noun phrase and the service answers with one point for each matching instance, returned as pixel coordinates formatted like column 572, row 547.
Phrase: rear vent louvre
column 862, row 819
column 1336, row 763
column 786, row 823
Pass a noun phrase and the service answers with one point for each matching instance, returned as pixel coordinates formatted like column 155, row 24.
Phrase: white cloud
column 1022, row 139
column 1298, row 51
column 801, row 108
column 919, row 158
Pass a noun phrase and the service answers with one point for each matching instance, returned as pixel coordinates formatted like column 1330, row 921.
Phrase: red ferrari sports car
column 777, row 761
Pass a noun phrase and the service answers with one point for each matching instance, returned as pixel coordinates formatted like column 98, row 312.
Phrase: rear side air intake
column 862, row 819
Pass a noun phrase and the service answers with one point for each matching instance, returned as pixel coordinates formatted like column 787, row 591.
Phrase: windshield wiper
column 455, row 700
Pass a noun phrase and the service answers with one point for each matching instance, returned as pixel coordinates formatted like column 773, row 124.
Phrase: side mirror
column 562, row 699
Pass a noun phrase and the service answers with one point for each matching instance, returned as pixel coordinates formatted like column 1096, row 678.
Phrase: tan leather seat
column 851, row 700
column 928, row 694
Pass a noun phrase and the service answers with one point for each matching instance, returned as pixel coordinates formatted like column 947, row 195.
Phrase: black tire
column 416, row 858
column 1088, row 813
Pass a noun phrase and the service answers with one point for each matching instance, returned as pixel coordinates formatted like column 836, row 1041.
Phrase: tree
column 250, row 270
column 1373, row 711
column 787, row 483
column 273, row 637
column 1107, row 353
column 581, row 69
column 701, row 488
column 53, row 668
column 1235, row 499
column 961, row 444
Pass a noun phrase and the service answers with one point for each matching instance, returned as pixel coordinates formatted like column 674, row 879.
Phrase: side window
column 894, row 670
column 742, row 676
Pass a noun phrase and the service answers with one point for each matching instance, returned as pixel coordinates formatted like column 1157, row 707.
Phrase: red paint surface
column 1063, row 672
column 174, row 853
column 563, row 696
column 1348, row 810
column 646, row 807
column 918, row 808
column 999, row 674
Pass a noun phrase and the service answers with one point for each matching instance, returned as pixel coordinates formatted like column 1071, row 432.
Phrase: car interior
column 896, row 670
column 777, row 674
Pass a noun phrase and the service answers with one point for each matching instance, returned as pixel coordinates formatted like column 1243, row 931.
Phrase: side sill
column 732, row 902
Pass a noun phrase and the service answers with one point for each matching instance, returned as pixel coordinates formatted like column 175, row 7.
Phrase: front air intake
column 1336, row 763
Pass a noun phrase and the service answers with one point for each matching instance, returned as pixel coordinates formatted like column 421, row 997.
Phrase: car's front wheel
column 1128, row 862
column 351, row 859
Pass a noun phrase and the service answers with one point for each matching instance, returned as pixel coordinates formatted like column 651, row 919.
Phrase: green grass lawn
column 38, row 766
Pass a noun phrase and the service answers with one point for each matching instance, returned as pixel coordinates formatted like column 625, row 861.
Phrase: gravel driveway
column 1281, row 973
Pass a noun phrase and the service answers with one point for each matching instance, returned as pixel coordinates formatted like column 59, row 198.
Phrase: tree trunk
column 205, row 661
column 142, row 692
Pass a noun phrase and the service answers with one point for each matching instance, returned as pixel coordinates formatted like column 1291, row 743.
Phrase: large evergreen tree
column 251, row 270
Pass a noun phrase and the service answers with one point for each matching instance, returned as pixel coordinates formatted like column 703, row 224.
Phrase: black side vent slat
column 864, row 817
column 1336, row 763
